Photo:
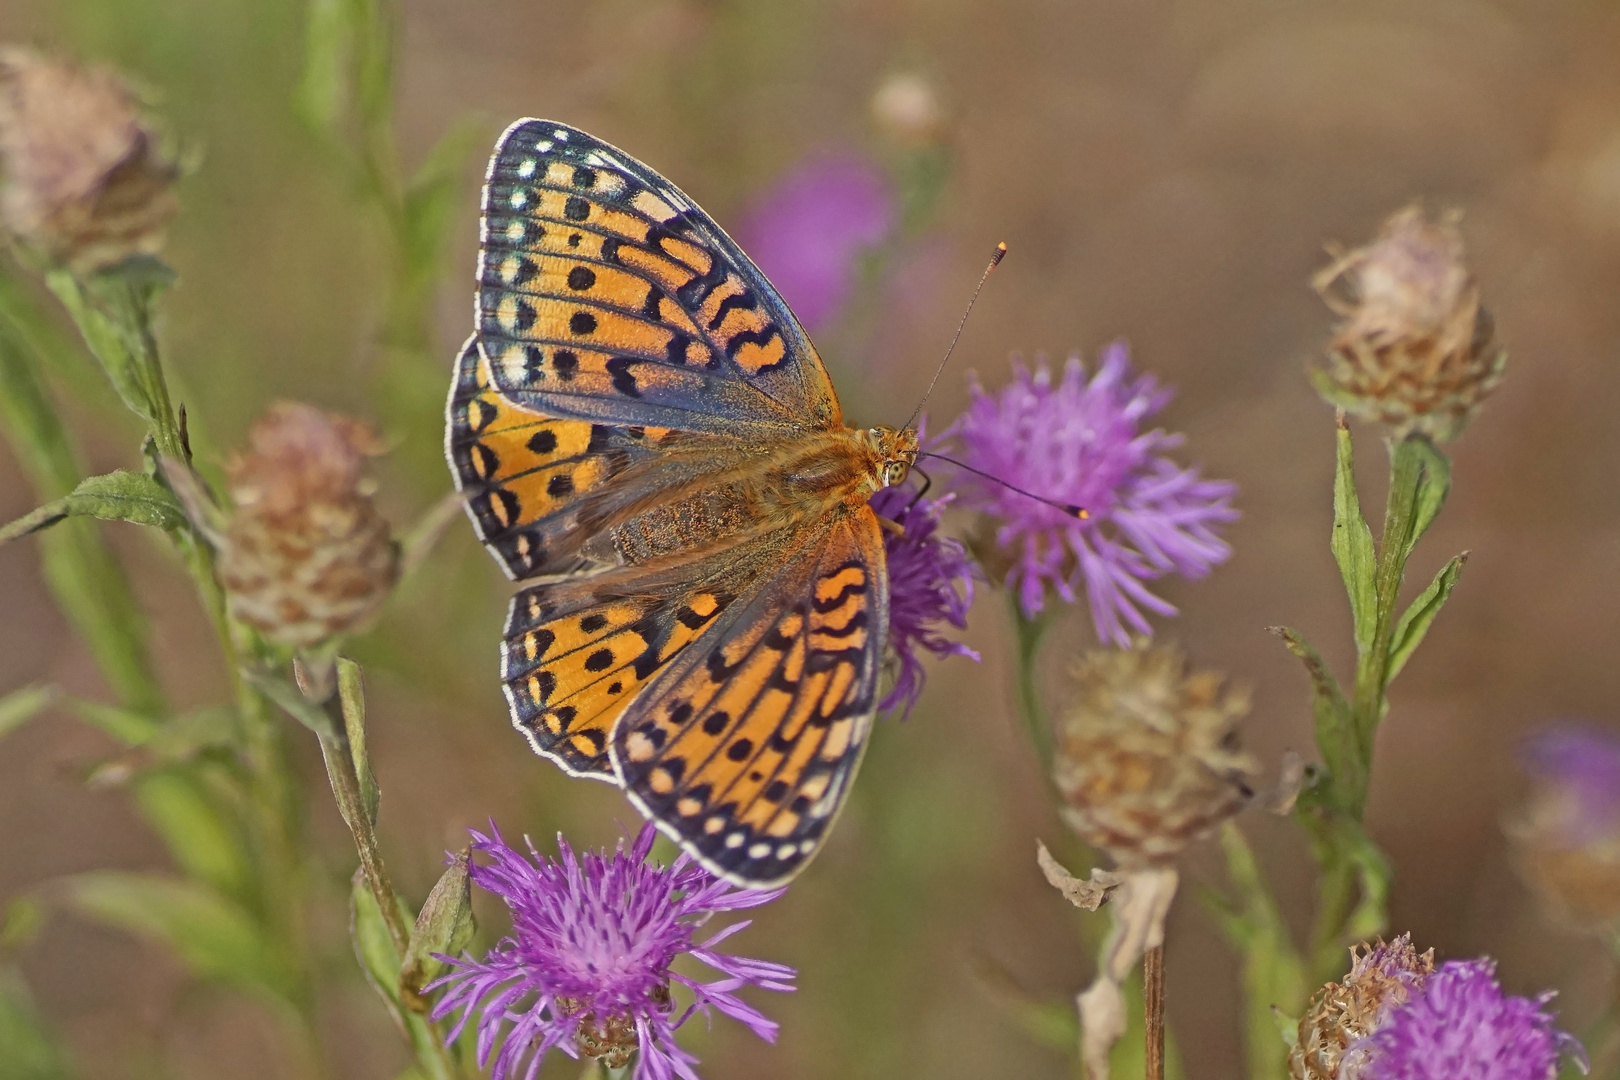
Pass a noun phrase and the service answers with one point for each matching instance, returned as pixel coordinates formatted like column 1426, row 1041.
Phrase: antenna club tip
column 1000, row 253
column 1079, row 512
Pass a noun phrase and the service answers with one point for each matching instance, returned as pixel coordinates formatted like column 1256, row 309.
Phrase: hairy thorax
column 761, row 490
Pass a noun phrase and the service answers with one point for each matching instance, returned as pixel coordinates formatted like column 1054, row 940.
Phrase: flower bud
column 1567, row 836
column 306, row 556
column 81, row 176
column 1415, row 350
column 1147, row 758
column 1342, row 1013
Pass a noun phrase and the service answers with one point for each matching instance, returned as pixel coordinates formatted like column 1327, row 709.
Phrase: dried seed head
column 1566, row 837
column 1341, row 1013
column 1415, row 350
column 1147, row 757
column 81, row 176
column 906, row 107
column 306, row 555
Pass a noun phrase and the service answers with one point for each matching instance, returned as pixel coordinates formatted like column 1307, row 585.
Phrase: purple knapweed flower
column 1078, row 443
column 1459, row 1025
column 930, row 587
column 808, row 231
column 587, row 965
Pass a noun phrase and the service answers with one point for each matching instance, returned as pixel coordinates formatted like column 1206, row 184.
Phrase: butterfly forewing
column 528, row 478
column 606, row 294
column 745, row 746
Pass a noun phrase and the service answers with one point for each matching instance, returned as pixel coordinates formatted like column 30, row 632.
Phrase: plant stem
column 1153, row 1011
column 86, row 580
column 1368, row 703
column 1029, row 633
column 346, row 789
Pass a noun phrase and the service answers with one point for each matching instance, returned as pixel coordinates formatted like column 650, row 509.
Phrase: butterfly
column 645, row 435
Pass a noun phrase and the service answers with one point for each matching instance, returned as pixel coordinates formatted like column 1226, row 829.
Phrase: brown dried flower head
column 1341, row 1013
column 306, row 555
column 81, row 176
column 1415, row 350
column 1147, row 757
column 906, row 107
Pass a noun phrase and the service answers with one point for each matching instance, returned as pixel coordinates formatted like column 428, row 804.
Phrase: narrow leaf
column 1414, row 622
column 1352, row 543
column 1335, row 733
column 21, row 706
column 117, row 496
column 292, row 701
column 445, row 926
column 1434, row 484
column 214, row 937
column 28, row 1050
column 1273, row 974
column 200, row 836
column 352, row 695
column 126, row 725
column 380, row 962
column 321, row 89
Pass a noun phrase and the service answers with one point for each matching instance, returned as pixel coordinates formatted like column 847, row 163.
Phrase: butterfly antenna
column 1068, row 508
column 995, row 261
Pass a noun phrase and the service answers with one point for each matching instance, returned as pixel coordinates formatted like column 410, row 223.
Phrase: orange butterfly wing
column 744, row 748
column 605, row 294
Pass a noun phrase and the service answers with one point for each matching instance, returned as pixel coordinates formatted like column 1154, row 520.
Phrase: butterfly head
column 896, row 450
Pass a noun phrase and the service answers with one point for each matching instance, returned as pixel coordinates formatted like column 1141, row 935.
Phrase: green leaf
column 28, row 1050
column 200, row 836
column 292, row 701
column 127, row 726
column 379, row 960
column 1273, row 974
column 1414, row 622
column 116, row 496
column 433, row 196
column 21, row 922
column 1335, row 733
column 215, row 938
column 21, row 706
column 445, row 925
column 1373, row 874
column 352, row 695
column 1352, row 543
column 110, row 340
column 1434, row 484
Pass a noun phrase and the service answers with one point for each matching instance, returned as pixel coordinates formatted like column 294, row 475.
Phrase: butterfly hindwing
column 744, row 748
column 606, row 294
column 579, row 649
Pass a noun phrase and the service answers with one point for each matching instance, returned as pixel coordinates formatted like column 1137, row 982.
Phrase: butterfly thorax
column 764, row 489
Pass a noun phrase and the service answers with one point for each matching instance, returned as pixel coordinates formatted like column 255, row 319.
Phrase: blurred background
column 1162, row 170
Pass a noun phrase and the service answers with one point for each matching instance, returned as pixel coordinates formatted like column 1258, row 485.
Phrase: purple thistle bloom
column 809, row 229
column 1459, row 1025
column 1078, row 443
column 587, row 965
column 930, row 586
column 1577, row 769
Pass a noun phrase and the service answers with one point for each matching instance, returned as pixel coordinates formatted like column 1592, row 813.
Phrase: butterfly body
column 644, row 432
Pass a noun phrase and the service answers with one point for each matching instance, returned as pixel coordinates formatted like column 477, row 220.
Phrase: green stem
column 1029, row 633
column 338, row 752
column 1368, row 702
column 87, row 581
